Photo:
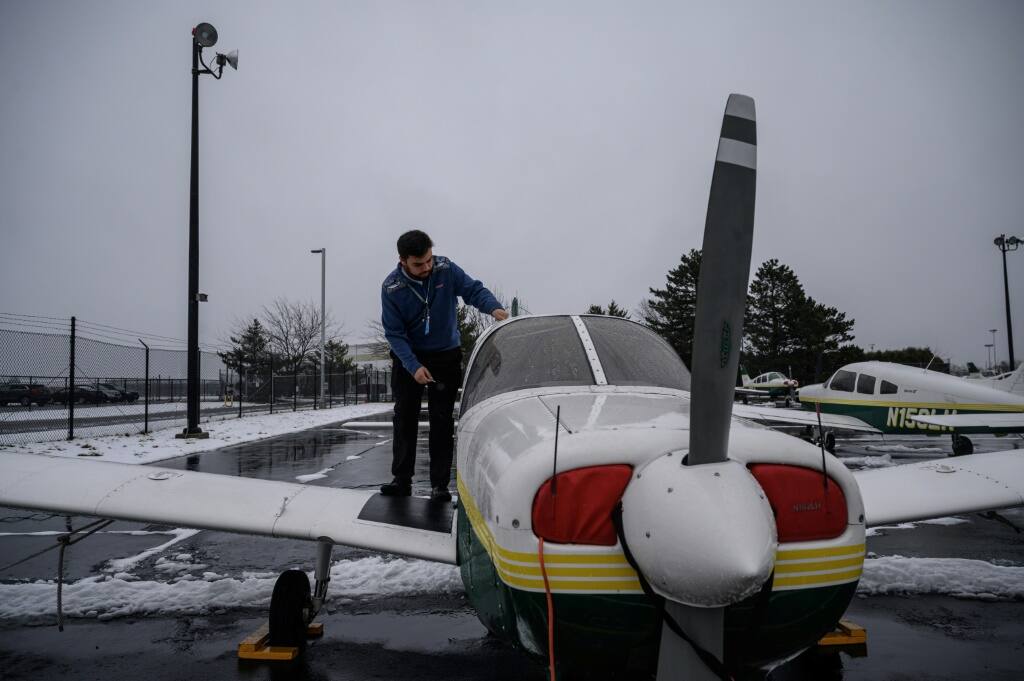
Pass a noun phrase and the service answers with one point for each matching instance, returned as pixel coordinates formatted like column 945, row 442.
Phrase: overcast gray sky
column 560, row 151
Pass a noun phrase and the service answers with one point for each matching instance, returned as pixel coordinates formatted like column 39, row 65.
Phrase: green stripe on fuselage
column 891, row 419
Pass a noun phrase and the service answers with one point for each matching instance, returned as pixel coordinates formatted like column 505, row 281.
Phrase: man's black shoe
column 440, row 494
column 397, row 488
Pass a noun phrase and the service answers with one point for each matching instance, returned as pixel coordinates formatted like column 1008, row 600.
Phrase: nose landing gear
column 962, row 446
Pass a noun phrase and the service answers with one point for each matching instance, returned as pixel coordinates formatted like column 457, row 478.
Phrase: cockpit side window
column 866, row 384
column 843, row 380
column 529, row 353
column 889, row 388
column 631, row 354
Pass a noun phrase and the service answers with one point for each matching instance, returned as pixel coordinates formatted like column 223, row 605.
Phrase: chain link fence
column 56, row 386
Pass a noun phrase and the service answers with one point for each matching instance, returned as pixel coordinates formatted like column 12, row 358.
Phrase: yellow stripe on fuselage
column 824, row 579
column 984, row 407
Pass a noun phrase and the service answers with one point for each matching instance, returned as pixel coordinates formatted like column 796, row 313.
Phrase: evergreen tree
column 613, row 310
column 338, row 359
column 670, row 311
column 249, row 348
column 823, row 344
column 772, row 324
column 911, row 356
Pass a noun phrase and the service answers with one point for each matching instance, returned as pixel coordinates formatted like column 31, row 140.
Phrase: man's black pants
column 446, row 368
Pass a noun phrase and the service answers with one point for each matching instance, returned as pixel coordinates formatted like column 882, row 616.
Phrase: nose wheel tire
column 962, row 446
column 290, row 608
column 830, row 442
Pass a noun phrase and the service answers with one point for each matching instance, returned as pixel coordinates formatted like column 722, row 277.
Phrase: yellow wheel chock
column 846, row 634
column 255, row 647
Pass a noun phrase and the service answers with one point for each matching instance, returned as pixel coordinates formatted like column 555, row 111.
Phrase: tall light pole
column 323, row 322
column 1008, row 243
column 203, row 35
column 989, row 348
column 995, row 362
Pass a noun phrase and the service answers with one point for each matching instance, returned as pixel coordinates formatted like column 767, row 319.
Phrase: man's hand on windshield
column 500, row 314
column 423, row 376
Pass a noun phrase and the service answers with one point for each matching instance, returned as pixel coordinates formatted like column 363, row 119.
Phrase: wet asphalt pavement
column 429, row 636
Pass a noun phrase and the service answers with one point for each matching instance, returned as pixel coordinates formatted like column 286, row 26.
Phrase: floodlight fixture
column 231, row 59
column 205, row 35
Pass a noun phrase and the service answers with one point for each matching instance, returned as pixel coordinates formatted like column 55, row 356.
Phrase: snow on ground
column 125, row 564
column 904, row 450
column 161, row 444
column 192, row 589
column 855, row 462
column 880, row 529
column 117, row 595
column 959, row 577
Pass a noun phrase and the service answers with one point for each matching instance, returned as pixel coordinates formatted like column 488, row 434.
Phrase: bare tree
column 379, row 346
column 294, row 330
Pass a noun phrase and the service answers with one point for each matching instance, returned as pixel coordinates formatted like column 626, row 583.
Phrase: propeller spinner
column 699, row 527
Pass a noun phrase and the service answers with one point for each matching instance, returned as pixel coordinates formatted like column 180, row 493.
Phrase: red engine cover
column 580, row 511
column 804, row 508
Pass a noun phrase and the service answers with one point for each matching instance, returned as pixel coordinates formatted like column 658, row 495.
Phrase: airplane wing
column 1004, row 422
column 801, row 418
column 933, row 489
column 410, row 526
column 751, row 391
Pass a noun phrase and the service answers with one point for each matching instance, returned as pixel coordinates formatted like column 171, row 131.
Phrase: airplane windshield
column 843, row 380
column 529, row 353
column 633, row 355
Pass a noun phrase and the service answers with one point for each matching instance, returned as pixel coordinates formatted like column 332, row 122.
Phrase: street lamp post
column 1008, row 243
column 988, row 355
column 323, row 323
column 995, row 362
column 203, row 35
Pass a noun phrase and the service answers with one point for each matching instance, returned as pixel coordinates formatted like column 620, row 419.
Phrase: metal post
column 241, row 390
column 271, row 384
column 295, row 389
column 192, row 400
column 71, row 385
column 145, row 426
column 1009, row 322
column 323, row 319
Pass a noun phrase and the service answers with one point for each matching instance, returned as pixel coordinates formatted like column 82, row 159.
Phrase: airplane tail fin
column 744, row 377
column 1015, row 381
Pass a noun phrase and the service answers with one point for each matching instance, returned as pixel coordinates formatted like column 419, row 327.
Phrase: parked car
column 117, row 394
column 82, row 393
column 24, row 394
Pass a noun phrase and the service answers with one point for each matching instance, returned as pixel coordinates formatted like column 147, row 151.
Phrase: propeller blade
column 722, row 287
column 677, row 658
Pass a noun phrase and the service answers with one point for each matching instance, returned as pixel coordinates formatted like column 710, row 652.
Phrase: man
column 418, row 301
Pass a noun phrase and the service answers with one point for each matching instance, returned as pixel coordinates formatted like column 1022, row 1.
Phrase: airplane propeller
column 696, row 524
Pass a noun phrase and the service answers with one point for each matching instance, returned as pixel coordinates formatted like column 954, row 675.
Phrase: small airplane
column 888, row 398
column 773, row 385
column 612, row 511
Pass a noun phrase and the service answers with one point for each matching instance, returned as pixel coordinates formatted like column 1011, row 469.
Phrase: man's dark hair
column 413, row 243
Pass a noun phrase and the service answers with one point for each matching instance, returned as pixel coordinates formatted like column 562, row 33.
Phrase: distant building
column 369, row 352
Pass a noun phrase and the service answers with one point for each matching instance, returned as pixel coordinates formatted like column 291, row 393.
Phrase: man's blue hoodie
column 419, row 315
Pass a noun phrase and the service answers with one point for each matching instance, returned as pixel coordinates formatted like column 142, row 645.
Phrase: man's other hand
column 423, row 376
column 500, row 314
